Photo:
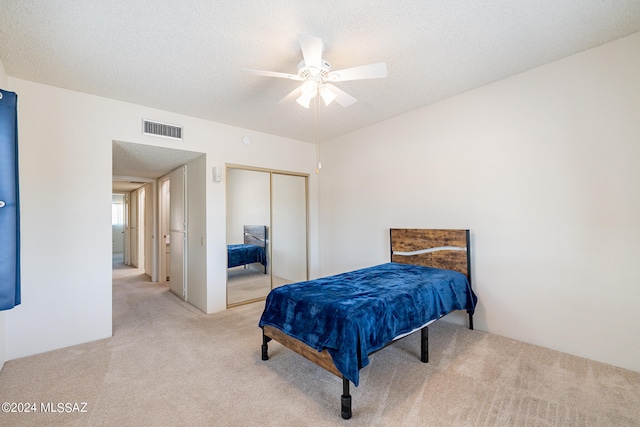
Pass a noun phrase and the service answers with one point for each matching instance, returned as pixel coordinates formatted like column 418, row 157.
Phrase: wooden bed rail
column 320, row 358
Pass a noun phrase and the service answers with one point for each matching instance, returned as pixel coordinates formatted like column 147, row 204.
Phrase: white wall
column 65, row 160
column 3, row 85
column 544, row 168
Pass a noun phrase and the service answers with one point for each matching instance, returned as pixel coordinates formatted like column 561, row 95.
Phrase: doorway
column 128, row 218
column 140, row 165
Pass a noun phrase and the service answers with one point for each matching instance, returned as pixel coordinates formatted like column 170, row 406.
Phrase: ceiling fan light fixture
column 310, row 87
column 327, row 95
column 309, row 90
column 305, row 99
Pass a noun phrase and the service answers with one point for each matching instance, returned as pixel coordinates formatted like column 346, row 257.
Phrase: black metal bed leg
column 424, row 344
column 470, row 312
column 345, row 400
column 265, row 347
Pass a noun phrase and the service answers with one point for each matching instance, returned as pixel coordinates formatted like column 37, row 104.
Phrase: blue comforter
column 354, row 314
column 244, row 254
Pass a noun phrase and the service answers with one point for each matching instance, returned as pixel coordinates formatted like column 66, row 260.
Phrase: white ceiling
column 188, row 56
column 135, row 164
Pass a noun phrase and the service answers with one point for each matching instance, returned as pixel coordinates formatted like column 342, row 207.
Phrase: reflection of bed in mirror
column 253, row 250
column 248, row 273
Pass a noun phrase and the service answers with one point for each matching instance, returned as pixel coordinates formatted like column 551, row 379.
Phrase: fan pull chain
column 317, row 133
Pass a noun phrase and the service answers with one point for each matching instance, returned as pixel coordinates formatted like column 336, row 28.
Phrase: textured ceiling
column 188, row 56
column 133, row 164
column 144, row 159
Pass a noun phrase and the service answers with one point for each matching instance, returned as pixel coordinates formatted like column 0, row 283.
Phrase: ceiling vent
column 161, row 129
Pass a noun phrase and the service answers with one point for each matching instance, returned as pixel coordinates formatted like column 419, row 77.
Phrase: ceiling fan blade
column 291, row 96
column 311, row 50
column 371, row 71
column 342, row 97
column 274, row 74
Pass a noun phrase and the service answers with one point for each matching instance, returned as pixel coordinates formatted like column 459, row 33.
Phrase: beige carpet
column 169, row 364
column 250, row 284
column 246, row 284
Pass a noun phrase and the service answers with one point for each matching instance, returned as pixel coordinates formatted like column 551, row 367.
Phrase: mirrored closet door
column 266, row 231
column 289, row 225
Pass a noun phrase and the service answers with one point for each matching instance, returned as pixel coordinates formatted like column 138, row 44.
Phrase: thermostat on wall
column 217, row 174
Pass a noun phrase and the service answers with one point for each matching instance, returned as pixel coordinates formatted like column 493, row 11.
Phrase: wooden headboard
column 447, row 249
column 255, row 235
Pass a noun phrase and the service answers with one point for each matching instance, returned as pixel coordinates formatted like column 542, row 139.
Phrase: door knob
column 2, row 204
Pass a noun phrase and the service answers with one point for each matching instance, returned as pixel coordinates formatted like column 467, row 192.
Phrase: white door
column 117, row 223
column 133, row 229
column 178, row 226
column 141, row 227
column 126, row 232
column 164, row 249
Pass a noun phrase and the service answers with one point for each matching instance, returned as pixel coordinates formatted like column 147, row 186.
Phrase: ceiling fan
column 317, row 77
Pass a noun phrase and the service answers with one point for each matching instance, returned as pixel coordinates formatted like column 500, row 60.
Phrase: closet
column 276, row 202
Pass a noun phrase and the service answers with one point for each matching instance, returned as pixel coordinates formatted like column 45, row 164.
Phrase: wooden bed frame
column 446, row 249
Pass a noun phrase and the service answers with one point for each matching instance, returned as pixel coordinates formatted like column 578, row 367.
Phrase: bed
column 337, row 322
column 253, row 250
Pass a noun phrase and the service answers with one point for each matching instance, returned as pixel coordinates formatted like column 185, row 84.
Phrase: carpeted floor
column 169, row 364
column 246, row 284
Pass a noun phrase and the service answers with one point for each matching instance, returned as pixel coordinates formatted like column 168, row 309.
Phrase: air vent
column 161, row 129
